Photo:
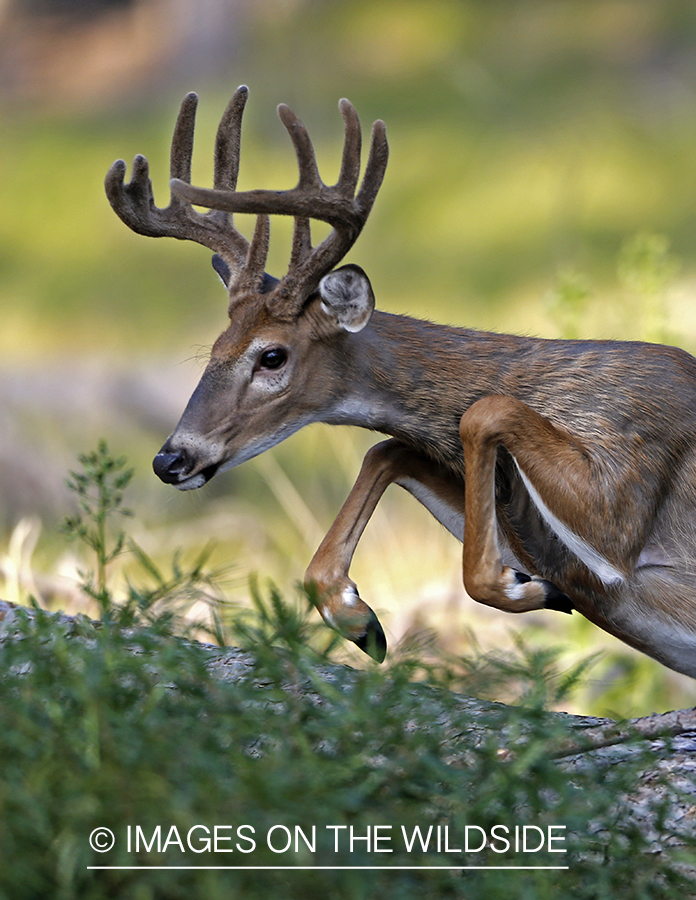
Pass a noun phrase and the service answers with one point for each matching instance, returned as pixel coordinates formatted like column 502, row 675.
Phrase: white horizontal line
column 332, row 868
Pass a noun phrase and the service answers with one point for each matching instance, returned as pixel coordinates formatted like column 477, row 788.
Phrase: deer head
column 271, row 370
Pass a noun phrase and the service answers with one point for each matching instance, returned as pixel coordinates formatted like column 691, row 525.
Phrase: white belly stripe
column 594, row 561
column 446, row 515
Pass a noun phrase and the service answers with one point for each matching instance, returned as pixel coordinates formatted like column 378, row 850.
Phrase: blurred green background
column 542, row 180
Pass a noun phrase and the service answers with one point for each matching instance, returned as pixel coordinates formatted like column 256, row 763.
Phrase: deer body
column 567, row 468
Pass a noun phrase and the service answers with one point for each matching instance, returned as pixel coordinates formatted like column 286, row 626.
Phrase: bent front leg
column 487, row 424
column 327, row 580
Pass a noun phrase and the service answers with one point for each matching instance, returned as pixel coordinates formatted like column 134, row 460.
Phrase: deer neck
column 411, row 379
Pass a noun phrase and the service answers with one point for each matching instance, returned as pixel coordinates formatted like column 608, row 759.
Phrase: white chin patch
column 192, row 483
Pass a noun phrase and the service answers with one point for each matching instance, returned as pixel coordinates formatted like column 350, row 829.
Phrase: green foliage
column 157, row 597
column 568, row 302
column 108, row 726
column 647, row 269
column 99, row 489
column 529, row 677
column 646, row 272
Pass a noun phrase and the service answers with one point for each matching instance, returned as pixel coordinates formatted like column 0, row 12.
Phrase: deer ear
column 347, row 297
column 268, row 282
column 222, row 269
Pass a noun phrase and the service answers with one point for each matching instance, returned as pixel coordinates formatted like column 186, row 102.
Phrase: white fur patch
column 446, row 515
column 594, row 560
column 364, row 413
column 196, row 481
column 349, row 596
column 264, row 442
column 516, row 591
column 213, row 450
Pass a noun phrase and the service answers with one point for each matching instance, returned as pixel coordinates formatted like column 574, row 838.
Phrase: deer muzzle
column 177, row 467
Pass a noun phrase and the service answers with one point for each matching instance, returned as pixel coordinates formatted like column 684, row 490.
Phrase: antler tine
column 252, row 272
column 308, row 178
column 182, row 139
column 134, row 204
column 335, row 246
column 228, row 142
column 301, row 242
column 304, row 150
column 310, row 198
column 376, row 167
column 352, row 146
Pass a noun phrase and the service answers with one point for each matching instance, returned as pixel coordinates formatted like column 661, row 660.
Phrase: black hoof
column 373, row 642
column 556, row 599
column 522, row 577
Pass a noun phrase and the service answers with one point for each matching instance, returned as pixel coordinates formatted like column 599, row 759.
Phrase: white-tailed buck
column 580, row 456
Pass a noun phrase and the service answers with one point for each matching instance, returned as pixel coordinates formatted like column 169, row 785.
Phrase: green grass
column 121, row 724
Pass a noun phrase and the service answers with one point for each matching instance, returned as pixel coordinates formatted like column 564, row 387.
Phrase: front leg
column 327, row 580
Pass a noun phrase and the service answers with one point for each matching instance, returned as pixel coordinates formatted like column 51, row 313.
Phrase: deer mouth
column 192, row 482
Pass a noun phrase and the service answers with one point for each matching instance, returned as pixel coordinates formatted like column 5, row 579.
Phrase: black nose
column 172, row 466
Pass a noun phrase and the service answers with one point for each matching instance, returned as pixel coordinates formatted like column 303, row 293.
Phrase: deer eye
column 273, row 358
